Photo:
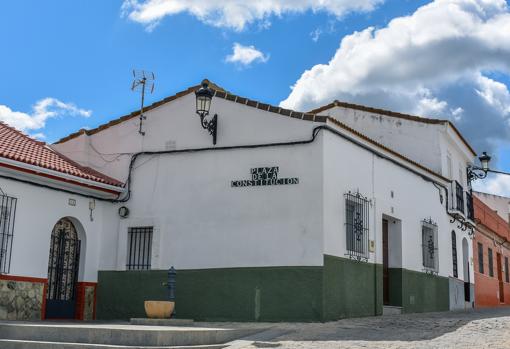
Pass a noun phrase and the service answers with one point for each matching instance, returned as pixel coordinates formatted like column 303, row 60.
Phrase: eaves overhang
column 16, row 169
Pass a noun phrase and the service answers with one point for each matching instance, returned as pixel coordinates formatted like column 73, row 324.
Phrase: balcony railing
column 459, row 197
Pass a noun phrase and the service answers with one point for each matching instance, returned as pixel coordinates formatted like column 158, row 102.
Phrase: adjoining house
column 290, row 216
column 51, row 221
column 491, row 250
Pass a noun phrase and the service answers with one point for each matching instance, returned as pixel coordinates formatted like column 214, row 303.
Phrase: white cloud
column 245, row 55
column 439, row 43
column 236, row 14
column 42, row 110
column 432, row 63
column 496, row 184
column 315, row 34
column 494, row 94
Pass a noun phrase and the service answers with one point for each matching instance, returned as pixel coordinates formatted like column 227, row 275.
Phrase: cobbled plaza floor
column 479, row 329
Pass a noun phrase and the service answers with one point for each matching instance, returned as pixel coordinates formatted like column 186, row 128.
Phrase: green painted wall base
column 351, row 288
column 418, row 292
column 234, row 294
column 341, row 288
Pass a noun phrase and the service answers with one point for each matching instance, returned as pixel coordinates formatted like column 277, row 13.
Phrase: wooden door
column 386, row 276
column 500, row 278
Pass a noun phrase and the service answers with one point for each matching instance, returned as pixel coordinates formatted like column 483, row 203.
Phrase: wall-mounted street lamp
column 204, row 97
column 475, row 172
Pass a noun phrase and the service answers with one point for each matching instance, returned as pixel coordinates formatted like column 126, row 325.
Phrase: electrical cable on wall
column 315, row 132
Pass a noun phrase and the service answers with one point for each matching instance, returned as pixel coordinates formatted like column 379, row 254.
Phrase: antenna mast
column 141, row 81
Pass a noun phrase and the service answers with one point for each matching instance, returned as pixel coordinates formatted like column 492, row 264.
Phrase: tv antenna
column 142, row 81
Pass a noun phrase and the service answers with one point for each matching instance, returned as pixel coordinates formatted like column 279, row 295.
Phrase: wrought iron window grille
column 139, row 248
column 454, row 255
column 357, row 213
column 7, row 218
column 459, row 196
column 480, row 259
column 430, row 246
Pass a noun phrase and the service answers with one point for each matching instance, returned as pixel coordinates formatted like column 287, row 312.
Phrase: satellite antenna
column 142, row 81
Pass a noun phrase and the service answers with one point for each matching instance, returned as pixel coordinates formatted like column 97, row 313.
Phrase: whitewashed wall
column 425, row 143
column 199, row 219
column 418, row 141
column 201, row 222
column 175, row 125
column 38, row 210
column 348, row 167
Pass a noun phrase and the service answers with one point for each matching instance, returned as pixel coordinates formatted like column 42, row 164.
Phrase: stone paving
column 474, row 329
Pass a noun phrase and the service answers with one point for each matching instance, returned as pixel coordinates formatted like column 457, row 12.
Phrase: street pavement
column 489, row 328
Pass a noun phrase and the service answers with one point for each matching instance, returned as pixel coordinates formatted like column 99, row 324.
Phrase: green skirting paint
column 341, row 288
column 423, row 292
column 233, row 294
column 351, row 288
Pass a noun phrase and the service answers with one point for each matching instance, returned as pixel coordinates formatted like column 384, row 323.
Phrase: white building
column 289, row 216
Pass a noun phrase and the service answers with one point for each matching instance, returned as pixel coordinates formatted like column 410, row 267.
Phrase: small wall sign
column 263, row 176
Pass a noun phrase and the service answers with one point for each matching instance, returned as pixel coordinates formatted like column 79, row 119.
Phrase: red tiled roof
column 16, row 146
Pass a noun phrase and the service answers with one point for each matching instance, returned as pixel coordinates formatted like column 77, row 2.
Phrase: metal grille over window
column 480, row 258
column 139, row 248
column 491, row 263
column 7, row 215
column 454, row 255
column 356, row 223
column 429, row 245
column 459, row 196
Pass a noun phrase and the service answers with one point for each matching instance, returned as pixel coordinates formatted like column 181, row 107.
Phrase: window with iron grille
column 454, row 255
column 429, row 245
column 480, row 258
column 459, row 196
column 507, row 276
column 491, row 265
column 7, row 215
column 139, row 248
column 357, row 225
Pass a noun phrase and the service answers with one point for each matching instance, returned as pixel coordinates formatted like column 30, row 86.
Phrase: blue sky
column 67, row 64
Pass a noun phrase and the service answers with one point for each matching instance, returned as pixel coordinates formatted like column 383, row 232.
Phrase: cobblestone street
column 475, row 329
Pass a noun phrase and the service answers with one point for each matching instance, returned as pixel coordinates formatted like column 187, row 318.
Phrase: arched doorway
column 63, row 268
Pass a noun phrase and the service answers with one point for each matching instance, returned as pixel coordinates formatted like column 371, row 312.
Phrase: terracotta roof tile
column 14, row 145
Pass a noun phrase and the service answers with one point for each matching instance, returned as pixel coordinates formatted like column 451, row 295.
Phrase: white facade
column 200, row 221
column 38, row 209
column 432, row 143
column 181, row 186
